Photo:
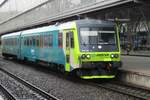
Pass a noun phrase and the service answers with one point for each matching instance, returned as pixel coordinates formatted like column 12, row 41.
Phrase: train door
column 21, row 46
column 19, row 41
column 67, row 51
column 69, row 45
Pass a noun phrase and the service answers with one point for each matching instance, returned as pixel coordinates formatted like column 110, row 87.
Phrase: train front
column 99, row 49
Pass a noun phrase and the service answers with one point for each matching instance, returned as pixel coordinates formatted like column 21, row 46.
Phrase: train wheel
column 62, row 68
column 5, row 57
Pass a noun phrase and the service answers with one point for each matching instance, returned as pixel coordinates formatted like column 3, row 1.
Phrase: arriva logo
column 102, row 54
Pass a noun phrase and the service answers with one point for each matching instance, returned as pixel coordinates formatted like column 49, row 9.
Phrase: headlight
column 112, row 55
column 83, row 56
column 116, row 55
column 88, row 56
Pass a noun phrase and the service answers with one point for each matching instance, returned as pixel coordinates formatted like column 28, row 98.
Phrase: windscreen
column 98, row 39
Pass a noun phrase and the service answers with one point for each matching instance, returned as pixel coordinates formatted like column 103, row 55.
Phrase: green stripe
column 91, row 77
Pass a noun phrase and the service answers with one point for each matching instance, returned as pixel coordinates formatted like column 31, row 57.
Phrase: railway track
column 131, row 91
column 43, row 94
column 124, row 88
column 6, row 92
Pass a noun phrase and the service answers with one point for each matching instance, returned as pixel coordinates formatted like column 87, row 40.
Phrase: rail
column 124, row 88
column 7, row 93
column 34, row 88
column 117, row 86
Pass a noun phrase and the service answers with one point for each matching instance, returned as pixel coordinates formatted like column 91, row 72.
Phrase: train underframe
column 98, row 69
column 88, row 70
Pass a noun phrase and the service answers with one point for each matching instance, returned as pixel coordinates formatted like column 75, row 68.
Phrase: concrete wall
column 17, row 14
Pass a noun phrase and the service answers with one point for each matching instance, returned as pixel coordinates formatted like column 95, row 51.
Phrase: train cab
column 91, row 48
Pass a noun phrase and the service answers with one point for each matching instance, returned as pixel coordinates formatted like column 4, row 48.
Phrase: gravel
column 63, row 88
column 18, row 90
column 2, row 96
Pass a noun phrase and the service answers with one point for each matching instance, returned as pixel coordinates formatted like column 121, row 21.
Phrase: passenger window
column 37, row 41
column 30, row 41
column 24, row 41
column 71, row 40
column 60, row 40
column 15, row 41
column 5, row 41
column 50, row 40
column 41, row 41
column 11, row 43
column 8, row 41
column 67, row 40
column 46, row 40
column 27, row 41
column 34, row 41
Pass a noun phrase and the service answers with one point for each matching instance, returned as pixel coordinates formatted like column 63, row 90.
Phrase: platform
column 135, row 70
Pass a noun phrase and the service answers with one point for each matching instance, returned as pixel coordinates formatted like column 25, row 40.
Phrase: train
column 89, row 48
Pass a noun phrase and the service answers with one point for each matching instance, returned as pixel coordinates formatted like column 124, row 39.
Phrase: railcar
column 11, row 44
column 89, row 48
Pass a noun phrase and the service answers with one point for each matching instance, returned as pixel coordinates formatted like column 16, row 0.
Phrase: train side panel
column 51, row 52
column 11, row 45
column 28, row 48
column 42, row 47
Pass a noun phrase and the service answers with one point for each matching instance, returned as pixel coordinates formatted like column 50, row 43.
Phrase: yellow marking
column 92, row 77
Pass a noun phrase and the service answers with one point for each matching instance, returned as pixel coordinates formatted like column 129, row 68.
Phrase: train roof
column 41, row 29
column 36, row 30
column 85, row 22
column 67, row 25
column 11, row 34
